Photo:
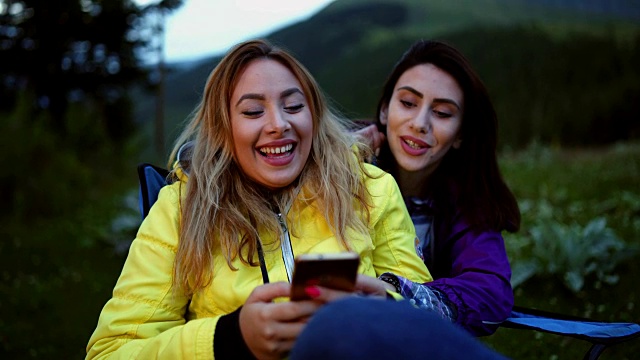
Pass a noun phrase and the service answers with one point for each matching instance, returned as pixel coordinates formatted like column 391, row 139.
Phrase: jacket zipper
column 285, row 246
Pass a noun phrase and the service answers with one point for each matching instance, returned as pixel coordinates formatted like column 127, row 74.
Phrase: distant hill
column 351, row 45
column 624, row 9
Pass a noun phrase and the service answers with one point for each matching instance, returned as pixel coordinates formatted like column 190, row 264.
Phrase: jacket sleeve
column 478, row 286
column 479, row 283
column 393, row 233
column 145, row 318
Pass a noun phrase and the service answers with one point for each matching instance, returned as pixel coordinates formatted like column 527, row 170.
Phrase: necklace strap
column 263, row 265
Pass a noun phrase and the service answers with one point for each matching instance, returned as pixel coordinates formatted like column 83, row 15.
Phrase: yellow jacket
column 144, row 319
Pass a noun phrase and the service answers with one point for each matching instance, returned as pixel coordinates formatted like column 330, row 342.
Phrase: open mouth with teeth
column 412, row 144
column 275, row 152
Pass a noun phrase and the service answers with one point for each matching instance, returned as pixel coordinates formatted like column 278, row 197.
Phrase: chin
column 411, row 166
column 279, row 183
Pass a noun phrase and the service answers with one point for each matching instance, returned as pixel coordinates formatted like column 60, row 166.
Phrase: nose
column 422, row 122
column 277, row 123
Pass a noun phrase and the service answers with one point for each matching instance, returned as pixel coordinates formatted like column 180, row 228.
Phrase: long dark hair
column 468, row 178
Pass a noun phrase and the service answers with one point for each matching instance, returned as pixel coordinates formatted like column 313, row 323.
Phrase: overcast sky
column 208, row 27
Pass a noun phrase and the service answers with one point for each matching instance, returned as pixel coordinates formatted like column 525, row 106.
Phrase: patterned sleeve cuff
column 424, row 297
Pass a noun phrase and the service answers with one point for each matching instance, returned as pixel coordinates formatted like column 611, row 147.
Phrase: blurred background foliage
column 85, row 95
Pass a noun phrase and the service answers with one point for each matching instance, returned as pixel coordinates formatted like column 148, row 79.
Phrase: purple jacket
column 470, row 269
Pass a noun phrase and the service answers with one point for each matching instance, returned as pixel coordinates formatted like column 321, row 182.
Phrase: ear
column 383, row 114
column 457, row 143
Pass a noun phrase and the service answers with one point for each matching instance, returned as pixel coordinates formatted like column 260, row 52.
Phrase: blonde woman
column 273, row 175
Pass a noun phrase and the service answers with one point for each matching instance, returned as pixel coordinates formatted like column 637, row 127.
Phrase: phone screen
column 335, row 271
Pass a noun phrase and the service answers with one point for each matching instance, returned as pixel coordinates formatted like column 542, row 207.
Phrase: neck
column 412, row 183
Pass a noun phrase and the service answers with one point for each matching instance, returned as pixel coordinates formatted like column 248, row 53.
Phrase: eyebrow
column 436, row 100
column 446, row 101
column 283, row 94
column 250, row 96
column 290, row 92
column 412, row 90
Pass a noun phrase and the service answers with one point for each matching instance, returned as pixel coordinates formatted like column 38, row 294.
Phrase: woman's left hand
column 365, row 285
column 372, row 286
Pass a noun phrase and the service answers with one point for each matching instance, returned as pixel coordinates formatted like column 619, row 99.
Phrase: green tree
column 66, row 67
column 68, row 51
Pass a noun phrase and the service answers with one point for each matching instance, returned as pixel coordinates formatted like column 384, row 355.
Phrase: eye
column 294, row 108
column 442, row 114
column 252, row 113
column 407, row 104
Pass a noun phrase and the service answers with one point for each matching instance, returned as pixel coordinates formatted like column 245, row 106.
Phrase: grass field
column 58, row 273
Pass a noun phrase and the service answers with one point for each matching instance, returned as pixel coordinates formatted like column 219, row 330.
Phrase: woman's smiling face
column 271, row 124
column 423, row 117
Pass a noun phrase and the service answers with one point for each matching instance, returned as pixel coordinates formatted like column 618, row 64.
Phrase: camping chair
column 599, row 334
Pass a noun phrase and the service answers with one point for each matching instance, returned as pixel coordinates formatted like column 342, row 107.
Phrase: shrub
column 570, row 251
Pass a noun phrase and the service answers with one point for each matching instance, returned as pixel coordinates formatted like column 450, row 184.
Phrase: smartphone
column 335, row 271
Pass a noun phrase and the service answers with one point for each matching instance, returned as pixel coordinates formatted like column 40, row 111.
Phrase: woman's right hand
column 270, row 329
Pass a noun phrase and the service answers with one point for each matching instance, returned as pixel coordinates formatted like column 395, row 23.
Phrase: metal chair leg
column 595, row 352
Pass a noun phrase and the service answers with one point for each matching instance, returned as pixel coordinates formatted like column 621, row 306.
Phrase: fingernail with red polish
column 312, row 291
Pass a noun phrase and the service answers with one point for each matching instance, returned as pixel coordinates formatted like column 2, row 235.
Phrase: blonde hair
column 224, row 211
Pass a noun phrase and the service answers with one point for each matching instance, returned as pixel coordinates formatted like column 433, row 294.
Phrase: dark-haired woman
column 441, row 136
